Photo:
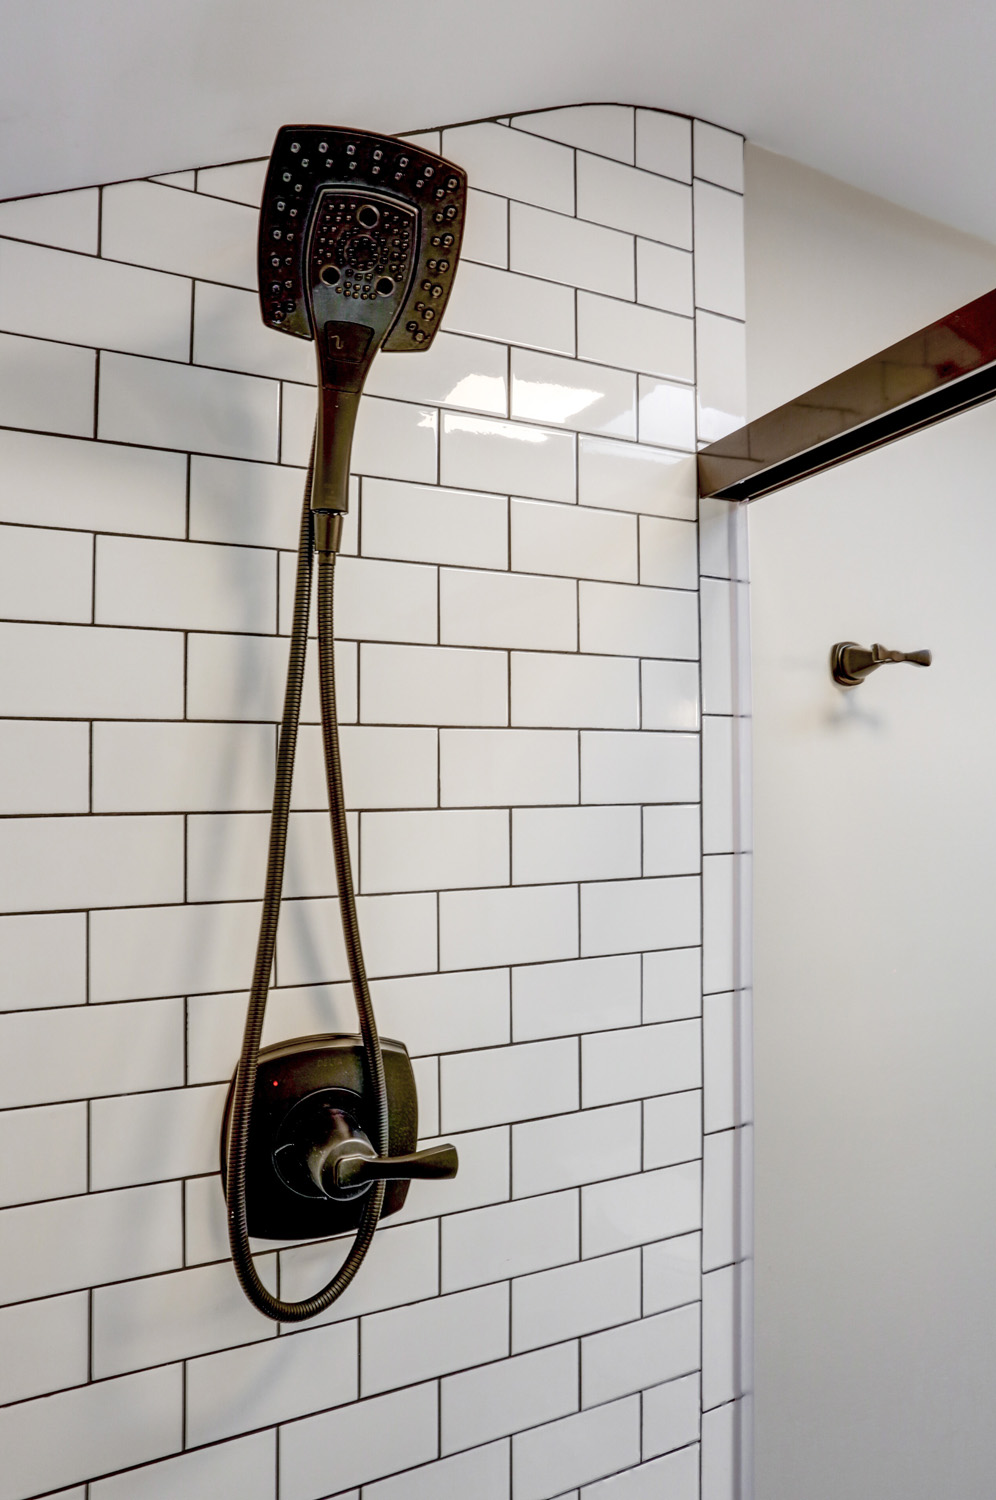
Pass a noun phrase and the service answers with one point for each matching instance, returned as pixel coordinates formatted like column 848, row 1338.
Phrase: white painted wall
column 875, row 822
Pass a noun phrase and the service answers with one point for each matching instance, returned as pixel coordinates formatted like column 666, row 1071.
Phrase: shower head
column 359, row 237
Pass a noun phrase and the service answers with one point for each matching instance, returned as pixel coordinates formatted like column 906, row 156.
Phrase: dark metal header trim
column 945, row 368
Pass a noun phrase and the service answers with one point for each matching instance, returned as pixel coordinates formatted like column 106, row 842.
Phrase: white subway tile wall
column 547, row 773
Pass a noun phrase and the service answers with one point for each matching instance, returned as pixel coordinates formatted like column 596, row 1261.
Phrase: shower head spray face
column 359, row 237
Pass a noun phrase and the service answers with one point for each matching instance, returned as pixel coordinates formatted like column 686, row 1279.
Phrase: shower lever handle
column 851, row 663
column 356, row 1169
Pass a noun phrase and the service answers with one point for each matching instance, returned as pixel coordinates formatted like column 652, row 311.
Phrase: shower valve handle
column 435, row 1161
column 851, row 663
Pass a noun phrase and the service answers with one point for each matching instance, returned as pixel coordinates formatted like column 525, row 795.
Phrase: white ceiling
column 894, row 96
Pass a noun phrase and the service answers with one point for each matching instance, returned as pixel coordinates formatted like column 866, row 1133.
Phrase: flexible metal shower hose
column 245, row 1081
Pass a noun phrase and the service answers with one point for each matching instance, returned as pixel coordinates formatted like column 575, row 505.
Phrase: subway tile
column 509, row 1239
column 227, row 854
column 434, row 1337
column 146, row 224
column 721, row 916
column 419, row 524
column 672, row 1126
column 91, row 1051
column 230, row 335
column 664, row 143
column 719, row 642
column 242, row 677
column 568, row 1150
column 513, row 164
column 478, row 608
column 720, row 355
column 46, row 865
column 359, row 1443
column 718, row 785
column 108, row 1425
column 676, row 1476
column 719, row 155
column 666, row 415
column 382, row 767
column 640, row 1061
column 668, row 553
column 483, row 1177
column 45, row 575
column 719, row 250
column 418, row 851
column 383, row 601
column 483, row 1473
column 242, row 182
column 572, row 251
column 395, row 440
column 506, row 925
column 46, row 386
column 672, row 984
column 171, row 950
column 454, row 371
column 671, row 1420
column 721, row 537
column 501, row 767
column 721, row 1456
column 514, row 309
column 247, row 503
column 78, row 1242
column 639, row 1354
column 510, row 457
column 663, row 278
column 719, row 1196
column 671, row 840
column 184, row 585
column 69, row 220
column 720, row 1016
column 574, row 843
column 80, row 299
column 187, row 181
column 508, row 1083
column 670, row 695
column 45, row 1346
column 432, row 685
column 401, row 1266
column 53, row 671
column 644, row 767
column 567, row 393
column 634, row 200
column 719, row 1346
column 485, row 230
column 157, row 1319
column 576, row 1449
column 672, row 1273
column 153, row 1137
column 399, row 934
column 575, row 541
column 205, row 1227
column 43, row 1153
column 605, row 128
column 244, row 1468
column 166, row 405
column 587, row 994
column 637, row 1210
column 635, row 338
column 575, row 1299
column 44, row 766
column 276, row 1381
column 182, row 767
column 42, row 960
column 509, row 1396
column 58, row 481
column 634, row 620
column 445, row 1012
column 618, row 916
column 552, row 690
column 623, row 476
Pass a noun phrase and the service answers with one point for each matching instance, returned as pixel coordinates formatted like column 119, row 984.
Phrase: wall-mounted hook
column 851, row 663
